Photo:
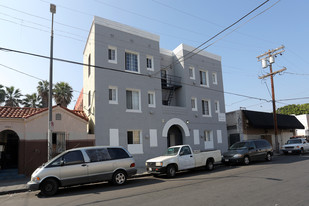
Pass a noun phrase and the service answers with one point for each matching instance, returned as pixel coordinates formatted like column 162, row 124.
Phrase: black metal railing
column 170, row 81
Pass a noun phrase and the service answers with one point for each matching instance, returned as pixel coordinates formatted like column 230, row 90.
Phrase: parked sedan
column 247, row 151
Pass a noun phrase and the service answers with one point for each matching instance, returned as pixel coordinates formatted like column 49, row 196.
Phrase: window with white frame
column 113, row 95
column 214, row 78
column 217, row 107
column 131, row 61
column 192, row 72
column 206, row 107
column 204, row 78
column 112, row 54
column 207, row 135
column 134, row 136
column 58, row 116
column 151, row 99
column 193, row 104
column 149, row 62
column 133, row 100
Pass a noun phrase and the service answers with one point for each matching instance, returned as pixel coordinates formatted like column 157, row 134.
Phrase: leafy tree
column 2, row 94
column 43, row 91
column 32, row 100
column 12, row 97
column 296, row 109
column 63, row 94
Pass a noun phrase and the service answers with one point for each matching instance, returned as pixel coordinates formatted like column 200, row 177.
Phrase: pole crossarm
column 276, row 72
column 269, row 57
column 272, row 52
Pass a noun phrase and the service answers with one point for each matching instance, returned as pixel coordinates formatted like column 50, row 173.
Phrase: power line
column 205, row 20
column 292, row 99
column 122, row 71
column 229, row 32
column 29, row 75
column 222, row 31
column 296, row 74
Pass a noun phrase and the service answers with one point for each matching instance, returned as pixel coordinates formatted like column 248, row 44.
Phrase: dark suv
column 247, row 151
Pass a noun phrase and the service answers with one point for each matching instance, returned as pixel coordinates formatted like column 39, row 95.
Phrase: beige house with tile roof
column 23, row 135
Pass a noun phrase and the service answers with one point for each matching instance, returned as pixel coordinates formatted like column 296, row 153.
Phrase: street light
column 50, row 106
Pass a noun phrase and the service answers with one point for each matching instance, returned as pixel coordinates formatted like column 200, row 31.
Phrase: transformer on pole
column 267, row 59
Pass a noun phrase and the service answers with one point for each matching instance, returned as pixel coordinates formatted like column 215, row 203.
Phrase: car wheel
column 210, row 165
column 49, row 187
column 171, row 171
column 268, row 157
column 246, row 160
column 119, row 178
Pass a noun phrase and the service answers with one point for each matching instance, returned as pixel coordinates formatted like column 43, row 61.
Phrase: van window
column 252, row 145
column 74, row 157
column 98, row 155
column 117, row 153
column 259, row 144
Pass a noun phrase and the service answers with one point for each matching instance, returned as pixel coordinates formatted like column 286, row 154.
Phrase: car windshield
column 48, row 162
column 172, row 151
column 294, row 141
column 240, row 145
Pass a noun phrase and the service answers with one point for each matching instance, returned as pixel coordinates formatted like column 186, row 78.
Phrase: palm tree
column 32, row 100
column 63, row 94
column 12, row 97
column 43, row 91
column 2, row 94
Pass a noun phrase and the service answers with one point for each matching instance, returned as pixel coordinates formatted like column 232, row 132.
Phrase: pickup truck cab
column 295, row 145
column 182, row 157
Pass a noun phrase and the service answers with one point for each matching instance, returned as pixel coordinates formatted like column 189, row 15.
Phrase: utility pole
column 267, row 59
column 50, row 106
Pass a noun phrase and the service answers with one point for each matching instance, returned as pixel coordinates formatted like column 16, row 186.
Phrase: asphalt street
column 284, row 181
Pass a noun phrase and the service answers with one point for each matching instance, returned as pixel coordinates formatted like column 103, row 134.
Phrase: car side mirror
column 181, row 153
column 61, row 163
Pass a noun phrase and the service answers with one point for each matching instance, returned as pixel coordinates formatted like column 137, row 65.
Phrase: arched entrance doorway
column 9, row 142
column 175, row 130
column 174, row 136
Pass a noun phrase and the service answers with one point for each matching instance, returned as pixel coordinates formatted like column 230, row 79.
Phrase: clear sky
column 25, row 26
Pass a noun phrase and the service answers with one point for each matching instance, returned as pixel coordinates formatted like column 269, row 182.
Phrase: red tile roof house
column 23, row 135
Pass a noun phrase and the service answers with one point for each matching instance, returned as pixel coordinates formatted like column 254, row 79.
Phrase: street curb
column 145, row 174
column 13, row 191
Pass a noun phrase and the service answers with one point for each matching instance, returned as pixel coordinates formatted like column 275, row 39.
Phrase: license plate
column 150, row 169
column 289, row 151
column 226, row 160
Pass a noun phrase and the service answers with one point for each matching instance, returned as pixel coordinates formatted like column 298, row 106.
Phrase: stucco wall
column 112, row 121
column 32, row 133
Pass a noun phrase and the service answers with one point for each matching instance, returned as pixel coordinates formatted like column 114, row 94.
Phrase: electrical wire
column 206, row 20
column 222, row 31
column 195, row 53
column 128, row 73
column 29, row 75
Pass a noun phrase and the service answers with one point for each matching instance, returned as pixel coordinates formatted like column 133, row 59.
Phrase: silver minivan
column 81, row 166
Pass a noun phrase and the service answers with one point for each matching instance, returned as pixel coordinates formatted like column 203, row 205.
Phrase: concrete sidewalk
column 20, row 185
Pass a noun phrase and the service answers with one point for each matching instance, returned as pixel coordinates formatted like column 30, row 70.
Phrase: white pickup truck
column 180, row 158
column 296, row 145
